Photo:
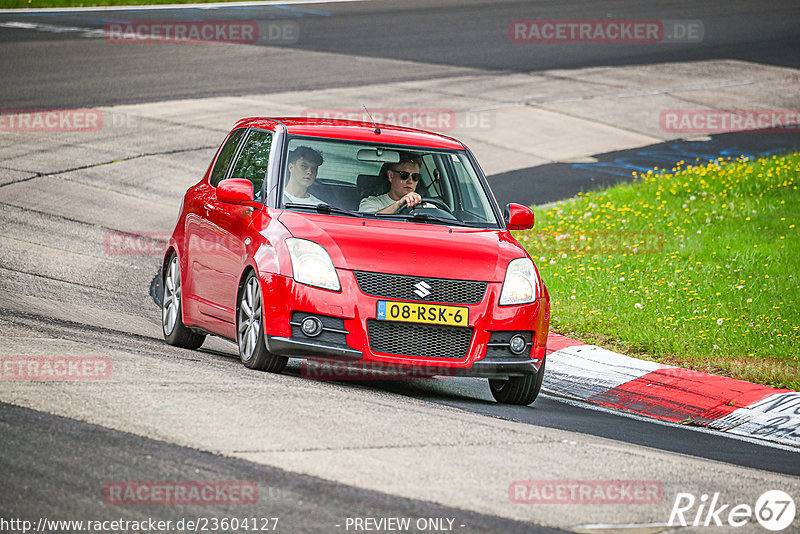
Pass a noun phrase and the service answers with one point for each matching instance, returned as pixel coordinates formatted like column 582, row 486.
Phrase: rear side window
column 225, row 157
column 254, row 159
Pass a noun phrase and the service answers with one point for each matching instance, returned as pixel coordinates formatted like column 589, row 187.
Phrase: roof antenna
column 377, row 130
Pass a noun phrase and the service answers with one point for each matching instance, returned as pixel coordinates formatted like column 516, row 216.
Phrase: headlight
column 519, row 287
column 311, row 264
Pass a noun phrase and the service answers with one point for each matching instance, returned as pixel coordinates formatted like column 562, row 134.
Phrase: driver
column 403, row 177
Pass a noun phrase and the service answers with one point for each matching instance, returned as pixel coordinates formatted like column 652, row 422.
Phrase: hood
column 402, row 247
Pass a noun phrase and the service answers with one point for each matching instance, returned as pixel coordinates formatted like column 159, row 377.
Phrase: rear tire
column 250, row 330
column 521, row 390
column 175, row 332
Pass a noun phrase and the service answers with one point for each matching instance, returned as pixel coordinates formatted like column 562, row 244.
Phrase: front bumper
column 297, row 348
column 349, row 314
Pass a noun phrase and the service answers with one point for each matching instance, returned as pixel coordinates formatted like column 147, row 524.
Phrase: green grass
column 695, row 267
column 6, row 4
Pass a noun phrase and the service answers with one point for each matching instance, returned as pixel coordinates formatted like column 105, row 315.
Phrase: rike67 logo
column 774, row 510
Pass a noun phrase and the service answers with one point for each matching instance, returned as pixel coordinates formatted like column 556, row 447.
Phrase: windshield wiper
column 416, row 217
column 324, row 208
column 424, row 217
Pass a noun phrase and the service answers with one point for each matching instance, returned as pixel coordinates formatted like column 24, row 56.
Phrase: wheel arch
column 168, row 255
column 249, row 268
column 171, row 251
column 240, row 287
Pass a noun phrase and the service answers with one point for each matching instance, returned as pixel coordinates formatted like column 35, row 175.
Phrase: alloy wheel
column 249, row 319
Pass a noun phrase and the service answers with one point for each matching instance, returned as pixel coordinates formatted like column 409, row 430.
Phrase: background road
column 57, row 68
column 418, row 448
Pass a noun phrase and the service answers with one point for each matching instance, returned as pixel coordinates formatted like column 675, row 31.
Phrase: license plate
column 423, row 313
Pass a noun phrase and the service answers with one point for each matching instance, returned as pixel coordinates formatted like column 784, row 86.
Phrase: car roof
column 353, row 130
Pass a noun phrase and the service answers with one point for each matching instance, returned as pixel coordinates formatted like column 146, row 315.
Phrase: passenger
column 303, row 164
column 403, row 177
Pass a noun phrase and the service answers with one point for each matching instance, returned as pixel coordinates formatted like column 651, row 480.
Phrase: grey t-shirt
column 310, row 199
column 373, row 204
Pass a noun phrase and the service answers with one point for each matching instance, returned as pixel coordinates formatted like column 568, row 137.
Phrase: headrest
column 369, row 185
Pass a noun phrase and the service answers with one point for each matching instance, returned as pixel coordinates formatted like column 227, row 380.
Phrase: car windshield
column 349, row 178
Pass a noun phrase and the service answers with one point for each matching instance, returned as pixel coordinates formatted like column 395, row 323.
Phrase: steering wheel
column 435, row 201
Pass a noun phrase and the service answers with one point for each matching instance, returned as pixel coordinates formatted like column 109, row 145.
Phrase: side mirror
column 519, row 217
column 235, row 191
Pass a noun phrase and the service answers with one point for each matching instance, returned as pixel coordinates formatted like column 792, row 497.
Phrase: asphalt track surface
column 71, row 459
column 67, row 69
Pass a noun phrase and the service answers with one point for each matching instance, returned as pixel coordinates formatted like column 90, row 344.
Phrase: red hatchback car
column 353, row 241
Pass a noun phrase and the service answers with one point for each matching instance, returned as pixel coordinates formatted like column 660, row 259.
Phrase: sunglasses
column 405, row 175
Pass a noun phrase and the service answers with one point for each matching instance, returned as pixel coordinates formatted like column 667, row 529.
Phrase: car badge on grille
column 423, row 289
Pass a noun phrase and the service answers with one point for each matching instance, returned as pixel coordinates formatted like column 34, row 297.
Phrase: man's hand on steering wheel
column 421, row 203
column 408, row 201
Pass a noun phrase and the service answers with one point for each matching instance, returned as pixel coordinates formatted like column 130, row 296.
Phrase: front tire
column 250, row 330
column 175, row 332
column 521, row 390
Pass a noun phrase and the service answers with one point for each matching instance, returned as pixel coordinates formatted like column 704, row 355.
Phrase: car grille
column 396, row 286
column 427, row 341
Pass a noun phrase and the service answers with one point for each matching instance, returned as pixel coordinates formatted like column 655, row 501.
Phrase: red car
column 354, row 241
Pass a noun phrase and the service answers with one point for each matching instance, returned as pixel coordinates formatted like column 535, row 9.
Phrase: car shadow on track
column 437, row 389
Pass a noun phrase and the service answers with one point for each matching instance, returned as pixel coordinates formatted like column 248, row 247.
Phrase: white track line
column 602, row 526
column 87, row 32
column 211, row 5
column 589, row 406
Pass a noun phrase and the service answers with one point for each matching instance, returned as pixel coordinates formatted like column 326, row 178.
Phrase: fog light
column 311, row 326
column 517, row 344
